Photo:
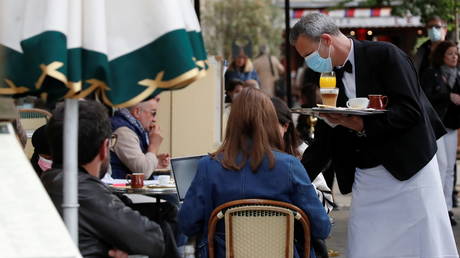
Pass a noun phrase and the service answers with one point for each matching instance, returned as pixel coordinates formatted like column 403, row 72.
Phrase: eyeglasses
column 152, row 112
column 435, row 26
column 113, row 141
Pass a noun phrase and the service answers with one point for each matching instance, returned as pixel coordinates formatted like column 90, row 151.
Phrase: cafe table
column 146, row 190
column 151, row 188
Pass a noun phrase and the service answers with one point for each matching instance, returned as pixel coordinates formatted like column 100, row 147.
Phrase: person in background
column 309, row 97
column 41, row 158
column 306, row 124
column 269, row 69
column 20, row 132
column 105, row 223
column 251, row 83
column 436, row 29
column 232, row 89
column 138, row 140
column 293, row 145
column 249, row 164
column 387, row 161
column 241, row 68
column 441, row 83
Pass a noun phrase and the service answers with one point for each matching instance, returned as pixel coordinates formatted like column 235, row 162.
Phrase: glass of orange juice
column 327, row 80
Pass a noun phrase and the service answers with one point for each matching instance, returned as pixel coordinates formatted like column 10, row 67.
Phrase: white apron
column 399, row 219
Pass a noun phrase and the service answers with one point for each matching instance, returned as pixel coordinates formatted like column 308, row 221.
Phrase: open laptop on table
column 184, row 170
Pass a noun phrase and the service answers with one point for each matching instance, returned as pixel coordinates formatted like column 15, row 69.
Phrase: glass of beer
column 329, row 96
column 327, row 80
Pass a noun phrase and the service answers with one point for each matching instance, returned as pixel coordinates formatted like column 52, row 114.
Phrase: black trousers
column 163, row 213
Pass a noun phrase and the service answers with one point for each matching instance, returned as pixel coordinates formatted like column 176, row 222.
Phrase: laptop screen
column 184, row 170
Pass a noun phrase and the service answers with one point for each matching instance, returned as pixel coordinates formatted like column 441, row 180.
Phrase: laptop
column 184, row 170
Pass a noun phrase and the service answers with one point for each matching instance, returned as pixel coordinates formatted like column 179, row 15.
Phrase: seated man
column 138, row 140
column 41, row 158
column 105, row 222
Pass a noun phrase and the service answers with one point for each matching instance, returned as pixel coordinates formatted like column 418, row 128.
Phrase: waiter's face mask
column 317, row 63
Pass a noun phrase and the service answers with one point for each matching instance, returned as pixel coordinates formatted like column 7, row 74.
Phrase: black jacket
column 422, row 57
column 105, row 222
column 438, row 92
column 403, row 140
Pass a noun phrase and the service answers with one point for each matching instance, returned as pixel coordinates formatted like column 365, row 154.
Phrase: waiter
column 387, row 161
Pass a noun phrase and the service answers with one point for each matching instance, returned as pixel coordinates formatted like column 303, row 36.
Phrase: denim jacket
column 214, row 185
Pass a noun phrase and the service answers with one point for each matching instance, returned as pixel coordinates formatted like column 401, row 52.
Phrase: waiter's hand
column 115, row 253
column 352, row 122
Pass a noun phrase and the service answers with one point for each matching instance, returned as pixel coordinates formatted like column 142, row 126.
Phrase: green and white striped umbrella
column 123, row 51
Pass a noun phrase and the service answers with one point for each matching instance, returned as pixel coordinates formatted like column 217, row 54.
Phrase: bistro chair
column 256, row 228
column 31, row 119
column 29, row 113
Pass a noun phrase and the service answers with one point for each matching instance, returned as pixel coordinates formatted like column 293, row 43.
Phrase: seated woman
column 249, row 164
column 232, row 89
column 241, row 68
column 295, row 146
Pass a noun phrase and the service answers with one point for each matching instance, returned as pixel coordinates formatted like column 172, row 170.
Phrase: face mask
column 434, row 34
column 318, row 64
column 44, row 164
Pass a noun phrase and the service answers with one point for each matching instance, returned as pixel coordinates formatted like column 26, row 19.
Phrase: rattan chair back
column 256, row 228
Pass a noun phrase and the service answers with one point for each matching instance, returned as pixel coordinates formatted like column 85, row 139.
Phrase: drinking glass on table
column 327, row 80
column 329, row 92
column 329, row 96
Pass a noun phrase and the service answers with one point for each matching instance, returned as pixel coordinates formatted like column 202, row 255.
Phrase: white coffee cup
column 358, row 103
column 164, row 180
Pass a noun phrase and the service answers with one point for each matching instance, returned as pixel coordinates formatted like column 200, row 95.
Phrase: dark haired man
column 105, row 222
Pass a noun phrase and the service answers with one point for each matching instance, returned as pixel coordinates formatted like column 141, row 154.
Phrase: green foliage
column 427, row 8
column 225, row 21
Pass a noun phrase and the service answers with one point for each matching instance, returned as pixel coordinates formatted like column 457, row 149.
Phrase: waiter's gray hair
column 313, row 25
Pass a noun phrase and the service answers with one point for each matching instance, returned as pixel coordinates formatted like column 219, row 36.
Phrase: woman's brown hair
column 439, row 52
column 252, row 132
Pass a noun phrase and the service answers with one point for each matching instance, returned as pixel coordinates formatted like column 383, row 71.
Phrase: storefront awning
column 361, row 18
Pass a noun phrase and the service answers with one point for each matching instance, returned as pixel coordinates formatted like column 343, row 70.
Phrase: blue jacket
column 242, row 76
column 119, row 170
column 214, row 185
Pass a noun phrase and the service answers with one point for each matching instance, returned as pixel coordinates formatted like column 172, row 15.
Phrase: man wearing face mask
column 388, row 161
column 436, row 29
column 41, row 158
column 105, row 223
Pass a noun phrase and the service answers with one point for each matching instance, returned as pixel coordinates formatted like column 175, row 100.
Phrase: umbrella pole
column 70, row 188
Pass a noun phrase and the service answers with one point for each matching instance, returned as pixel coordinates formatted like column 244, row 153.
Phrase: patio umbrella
column 120, row 51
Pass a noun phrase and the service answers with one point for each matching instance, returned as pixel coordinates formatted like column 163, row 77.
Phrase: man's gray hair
column 133, row 107
column 313, row 25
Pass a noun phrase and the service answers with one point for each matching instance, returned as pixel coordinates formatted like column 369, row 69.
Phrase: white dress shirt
column 348, row 79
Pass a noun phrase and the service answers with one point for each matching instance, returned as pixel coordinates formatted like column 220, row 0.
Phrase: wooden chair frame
column 45, row 113
column 218, row 213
